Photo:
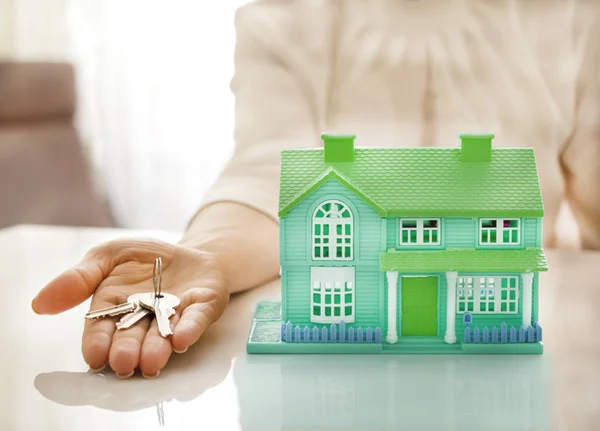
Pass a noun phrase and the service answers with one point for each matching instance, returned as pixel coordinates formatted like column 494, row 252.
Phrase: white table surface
column 45, row 385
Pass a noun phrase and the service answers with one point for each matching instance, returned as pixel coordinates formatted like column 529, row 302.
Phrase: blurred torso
column 418, row 73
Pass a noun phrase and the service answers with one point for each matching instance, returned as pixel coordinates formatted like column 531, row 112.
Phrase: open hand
column 115, row 270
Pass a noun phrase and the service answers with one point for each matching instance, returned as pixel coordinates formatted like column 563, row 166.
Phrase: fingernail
column 181, row 351
column 151, row 376
column 33, row 306
column 125, row 376
column 97, row 370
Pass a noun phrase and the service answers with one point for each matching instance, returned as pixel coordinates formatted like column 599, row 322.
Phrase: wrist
column 242, row 240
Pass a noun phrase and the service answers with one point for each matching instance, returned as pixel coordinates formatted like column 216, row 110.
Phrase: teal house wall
column 462, row 232
column 372, row 235
column 296, row 261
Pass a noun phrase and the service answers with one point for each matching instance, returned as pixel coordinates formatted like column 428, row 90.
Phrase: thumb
column 77, row 284
column 73, row 286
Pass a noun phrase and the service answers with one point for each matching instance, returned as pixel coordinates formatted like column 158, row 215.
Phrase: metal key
column 140, row 312
column 163, row 305
column 114, row 310
column 137, row 314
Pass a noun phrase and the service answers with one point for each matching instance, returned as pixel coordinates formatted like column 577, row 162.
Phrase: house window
column 332, row 294
column 464, row 294
column 499, row 231
column 481, row 295
column 332, row 232
column 509, row 294
column 419, row 231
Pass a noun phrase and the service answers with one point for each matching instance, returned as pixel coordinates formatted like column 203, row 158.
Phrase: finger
column 126, row 347
column 192, row 324
column 156, row 350
column 97, row 335
column 72, row 287
column 201, row 307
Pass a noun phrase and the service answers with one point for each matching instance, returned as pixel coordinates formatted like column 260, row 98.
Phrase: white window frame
column 329, row 282
column 486, row 290
column 420, row 229
column 499, row 229
column 334, row 239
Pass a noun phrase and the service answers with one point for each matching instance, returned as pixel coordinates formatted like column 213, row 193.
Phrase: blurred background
column 113, row 113
column 118, row 113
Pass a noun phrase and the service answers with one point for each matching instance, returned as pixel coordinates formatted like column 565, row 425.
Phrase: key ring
column 157, row 277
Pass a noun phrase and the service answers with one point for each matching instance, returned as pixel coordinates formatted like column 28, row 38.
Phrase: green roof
column 421, row 181
column 465, row 260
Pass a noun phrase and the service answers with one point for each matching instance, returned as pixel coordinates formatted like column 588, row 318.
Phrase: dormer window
column 499, row 231
column 332, row 232
column 419, row 231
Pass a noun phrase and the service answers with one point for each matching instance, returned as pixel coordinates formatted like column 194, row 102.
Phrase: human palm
column 111, row 272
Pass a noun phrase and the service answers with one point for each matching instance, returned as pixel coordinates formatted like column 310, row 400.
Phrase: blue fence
column 330, row 334
column 525, row 334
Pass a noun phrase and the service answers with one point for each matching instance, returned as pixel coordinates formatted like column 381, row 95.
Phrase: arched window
column 332, row 232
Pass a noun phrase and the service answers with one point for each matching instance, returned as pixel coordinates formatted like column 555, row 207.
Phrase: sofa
column 45, row 176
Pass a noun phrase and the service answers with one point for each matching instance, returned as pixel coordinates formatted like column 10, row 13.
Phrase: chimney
column 476, row 147
column 338, row 148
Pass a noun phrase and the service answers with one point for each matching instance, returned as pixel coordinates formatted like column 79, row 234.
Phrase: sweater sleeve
column 581, row 156
column 275, row 108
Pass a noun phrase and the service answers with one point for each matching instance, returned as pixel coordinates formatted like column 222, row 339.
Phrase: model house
column 432, row 250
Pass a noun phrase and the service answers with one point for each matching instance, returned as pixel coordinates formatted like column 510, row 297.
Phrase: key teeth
column 113, row 311
column 134, row 306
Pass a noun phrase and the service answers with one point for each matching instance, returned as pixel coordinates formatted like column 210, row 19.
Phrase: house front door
column 419, row 306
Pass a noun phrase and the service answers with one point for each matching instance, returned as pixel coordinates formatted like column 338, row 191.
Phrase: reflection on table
column 392, row 392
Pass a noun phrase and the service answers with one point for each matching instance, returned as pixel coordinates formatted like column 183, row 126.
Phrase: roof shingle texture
column 421, row 181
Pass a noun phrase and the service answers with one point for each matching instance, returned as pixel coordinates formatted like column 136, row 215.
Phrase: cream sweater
column 419, row 73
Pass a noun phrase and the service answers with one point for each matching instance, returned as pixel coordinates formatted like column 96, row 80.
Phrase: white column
column 527, row 297
column 450, row 336
column 392, row 281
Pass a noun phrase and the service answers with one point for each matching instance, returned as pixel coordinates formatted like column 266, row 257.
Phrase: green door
column 419, row 305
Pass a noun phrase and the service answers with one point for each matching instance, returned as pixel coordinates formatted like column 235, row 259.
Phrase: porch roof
column 465, row 260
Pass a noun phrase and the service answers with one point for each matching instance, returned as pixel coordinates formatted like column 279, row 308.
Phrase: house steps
column 422, row 345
